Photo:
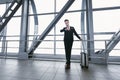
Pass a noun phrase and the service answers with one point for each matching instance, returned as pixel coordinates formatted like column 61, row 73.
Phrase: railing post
column 5, row 51
column 106, row 55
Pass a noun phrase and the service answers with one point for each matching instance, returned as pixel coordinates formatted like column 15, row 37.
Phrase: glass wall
column 105, row 3
column 44, row 6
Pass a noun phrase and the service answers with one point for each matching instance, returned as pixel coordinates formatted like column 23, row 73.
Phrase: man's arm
column 62, row 30
column 76, row 34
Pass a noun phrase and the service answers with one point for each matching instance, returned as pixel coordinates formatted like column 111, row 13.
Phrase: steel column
column 89, row 25
column 55, row 28
column 24, row 31
column 83, row 31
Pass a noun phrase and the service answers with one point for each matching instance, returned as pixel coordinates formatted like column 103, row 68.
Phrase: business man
column 68, row 41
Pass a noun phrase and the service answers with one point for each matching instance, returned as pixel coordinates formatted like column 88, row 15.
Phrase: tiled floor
column 11, row 69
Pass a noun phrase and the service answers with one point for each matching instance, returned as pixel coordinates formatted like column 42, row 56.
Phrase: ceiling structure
column 5, row 1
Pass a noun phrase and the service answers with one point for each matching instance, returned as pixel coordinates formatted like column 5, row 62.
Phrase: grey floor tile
column 11, row 69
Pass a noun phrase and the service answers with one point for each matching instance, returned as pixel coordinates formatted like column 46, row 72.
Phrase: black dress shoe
column 67, row 66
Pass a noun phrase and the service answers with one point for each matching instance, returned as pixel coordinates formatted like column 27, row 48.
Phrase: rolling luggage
column 84, row 60
column 84, row 57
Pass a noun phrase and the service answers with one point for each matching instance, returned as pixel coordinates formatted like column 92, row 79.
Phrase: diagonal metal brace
column 9, row 13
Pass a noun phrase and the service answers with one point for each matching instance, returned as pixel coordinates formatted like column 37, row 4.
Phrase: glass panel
column 13, row 30
column 44, row 6
column 2, row 9
column 105, row 3
column 115, row 51
column 100, row 41
column 44, row 21
column 76, row 48
column 106, row 21
column 103, row 36
column 75, row 6
column 13, row 47
column 60, row 48
column 13, row 27
column 99, row 45
column 46, row 47
column 60, row 4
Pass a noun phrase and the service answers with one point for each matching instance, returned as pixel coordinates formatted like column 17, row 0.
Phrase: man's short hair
column 66, row 20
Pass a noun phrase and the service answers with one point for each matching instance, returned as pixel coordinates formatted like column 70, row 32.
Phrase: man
column 68, row 41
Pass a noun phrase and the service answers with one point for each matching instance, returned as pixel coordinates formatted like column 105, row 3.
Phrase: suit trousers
column 68, row 47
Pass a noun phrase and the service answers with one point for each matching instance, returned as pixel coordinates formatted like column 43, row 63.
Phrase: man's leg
column 66, row 51
column 68, row 47
column 69, row 52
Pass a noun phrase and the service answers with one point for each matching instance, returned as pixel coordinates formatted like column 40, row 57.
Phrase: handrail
column 102, row 40
column 5, row 53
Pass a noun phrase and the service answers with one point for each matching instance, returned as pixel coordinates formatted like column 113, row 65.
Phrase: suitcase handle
column 82, row 46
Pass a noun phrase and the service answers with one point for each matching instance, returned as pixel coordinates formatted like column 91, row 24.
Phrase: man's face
column 67, row 23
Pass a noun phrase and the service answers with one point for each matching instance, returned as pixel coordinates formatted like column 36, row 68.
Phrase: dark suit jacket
column 68, row 34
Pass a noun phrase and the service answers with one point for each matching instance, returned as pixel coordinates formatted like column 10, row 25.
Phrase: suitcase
column 84, row 60
column 84, row 57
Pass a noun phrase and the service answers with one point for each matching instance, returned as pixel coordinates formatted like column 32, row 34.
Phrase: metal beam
column 50, row 26
column 35, row 18
column 5, row 1
column 89, row 25
column 84, row 44
column 112, row 43
column 11, row 10
column 104, row 53
column 24, row 31
column 113, row 37
column 72, row 11
column 35, row 21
